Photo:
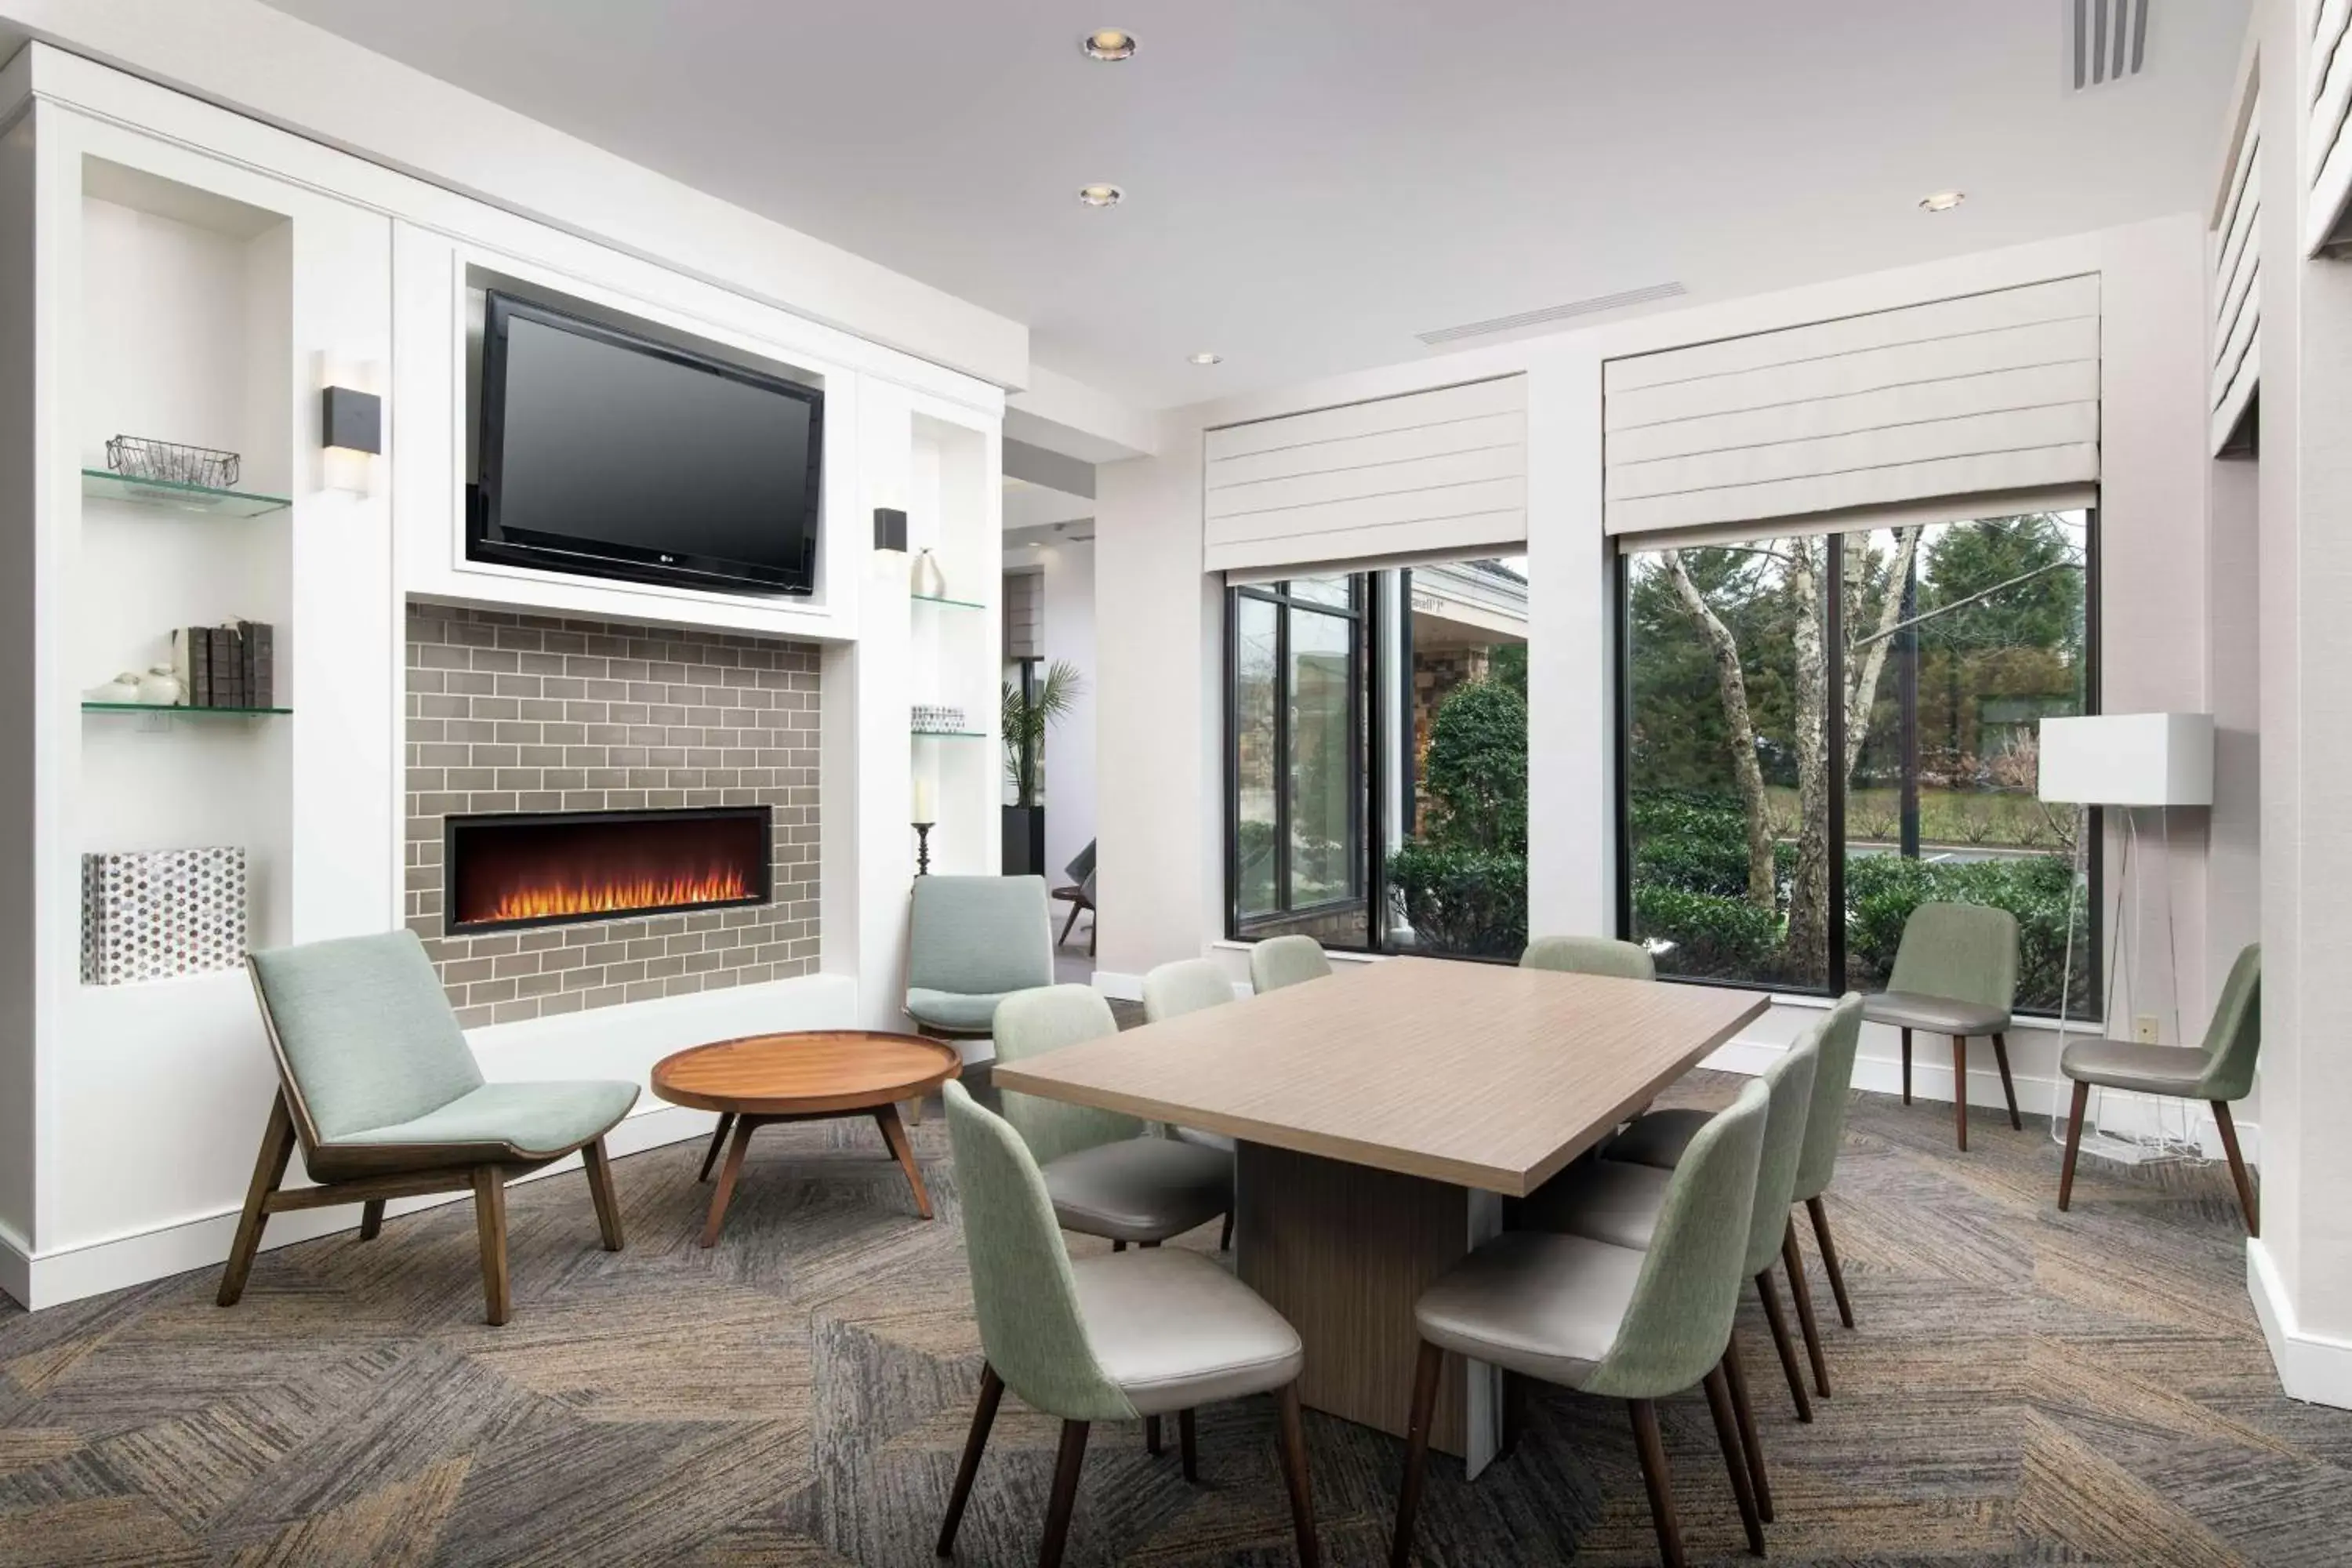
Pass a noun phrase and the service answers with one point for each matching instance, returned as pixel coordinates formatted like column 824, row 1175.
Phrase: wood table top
column 809, row 1072
column 1477, row 1074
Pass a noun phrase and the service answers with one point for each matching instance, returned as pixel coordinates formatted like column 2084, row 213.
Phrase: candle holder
column 923, row 848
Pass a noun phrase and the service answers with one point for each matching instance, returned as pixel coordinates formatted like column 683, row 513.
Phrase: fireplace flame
column 609, row 896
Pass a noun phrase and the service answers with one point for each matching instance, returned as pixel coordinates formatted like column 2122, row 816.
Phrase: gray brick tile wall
column 509, row 712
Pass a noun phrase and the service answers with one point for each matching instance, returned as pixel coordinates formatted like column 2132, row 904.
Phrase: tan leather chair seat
column 1603, row 1199
column 1174, row 1331
column 2175, row 1070
column 1549, row 1306
column 1936, row 1015
column 1140, row 1189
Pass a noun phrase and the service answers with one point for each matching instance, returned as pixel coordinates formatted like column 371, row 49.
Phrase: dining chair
column 2218, row 1072
column 1590, row 955
column 1105, row 1338
column 378, row 1087
column 1955, row 974
column 1109, row 1176
column 1624, row 1322
column 1079, row 894
column 1281, row 961
column 972, row 942
column 1620, row 1200
column 1169, row 991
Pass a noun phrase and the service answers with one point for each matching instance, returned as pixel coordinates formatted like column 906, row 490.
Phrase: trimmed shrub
column 1712, row 935
column 1881, row 892
column 1463, row 900
column 1476, row 769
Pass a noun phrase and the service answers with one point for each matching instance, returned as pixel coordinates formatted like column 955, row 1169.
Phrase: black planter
column 1025, row 840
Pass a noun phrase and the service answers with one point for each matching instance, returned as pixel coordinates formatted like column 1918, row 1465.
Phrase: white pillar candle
column 923, row 799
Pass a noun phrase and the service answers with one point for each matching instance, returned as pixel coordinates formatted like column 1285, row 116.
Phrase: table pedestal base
column 1343, row 1251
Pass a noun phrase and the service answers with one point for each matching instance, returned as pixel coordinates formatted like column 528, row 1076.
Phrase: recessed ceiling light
column 1205, row 357
column 1109, row 44
column 1101, row 195
column 1943, row 201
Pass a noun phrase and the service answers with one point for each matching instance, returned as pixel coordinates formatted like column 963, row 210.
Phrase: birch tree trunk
column 1739, row 724
column 1807, row 953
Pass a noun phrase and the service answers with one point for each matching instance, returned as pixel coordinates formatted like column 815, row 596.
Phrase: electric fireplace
column 536, row 868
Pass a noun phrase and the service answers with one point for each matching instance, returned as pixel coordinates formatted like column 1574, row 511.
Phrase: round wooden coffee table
column 811, row 1076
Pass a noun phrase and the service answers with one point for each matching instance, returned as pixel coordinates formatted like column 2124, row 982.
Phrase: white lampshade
column 2129, row 759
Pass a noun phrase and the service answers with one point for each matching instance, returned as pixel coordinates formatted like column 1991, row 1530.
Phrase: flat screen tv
column 614, row 455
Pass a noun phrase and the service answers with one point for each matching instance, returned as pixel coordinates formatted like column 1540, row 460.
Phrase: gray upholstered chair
column 376, row 1084
column 2218, row 1072
column 1079, row 894
column 1109, row 1176
column 1625, row 1322
column 1102, row 1338
column 1281, row 961
column 971, row 942
column 1590, row 955
column 1955, row 974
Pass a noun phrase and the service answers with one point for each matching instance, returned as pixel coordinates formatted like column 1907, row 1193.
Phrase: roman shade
column 2237, row 282
column 2329, row 94
column 1985, row 395
column 1441, row 472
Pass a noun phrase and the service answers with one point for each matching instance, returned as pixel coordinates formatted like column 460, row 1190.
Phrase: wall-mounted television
column 612, row 454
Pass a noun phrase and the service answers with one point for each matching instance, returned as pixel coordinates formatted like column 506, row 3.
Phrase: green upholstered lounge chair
column 1955, row 974
column 376, row 1084
column 1281, row 961
column 1109, row 1176
column 1630, row 1323
column 2218, row 1072
column 971, row 942
column 1104, row 1337
column 1590, row 955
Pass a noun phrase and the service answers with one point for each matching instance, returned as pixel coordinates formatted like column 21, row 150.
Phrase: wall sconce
column 890, row 529
column 350, row 429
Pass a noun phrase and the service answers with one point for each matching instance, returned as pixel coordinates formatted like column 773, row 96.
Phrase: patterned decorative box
column 152, row 914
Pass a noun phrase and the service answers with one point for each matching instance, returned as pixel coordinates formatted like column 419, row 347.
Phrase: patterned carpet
column 2024, row 1387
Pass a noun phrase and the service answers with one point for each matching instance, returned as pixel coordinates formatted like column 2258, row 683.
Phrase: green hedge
column 1727, row 938
column 1463, row 900
column 1881, row 892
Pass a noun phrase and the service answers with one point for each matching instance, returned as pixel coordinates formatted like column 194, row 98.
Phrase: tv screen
column 614, row 455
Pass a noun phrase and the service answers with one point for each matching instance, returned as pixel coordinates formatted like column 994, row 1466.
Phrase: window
column 1376, row 760
column 1820, row 733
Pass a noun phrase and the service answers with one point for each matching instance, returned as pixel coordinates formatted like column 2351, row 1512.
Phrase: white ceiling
column 1308, row 187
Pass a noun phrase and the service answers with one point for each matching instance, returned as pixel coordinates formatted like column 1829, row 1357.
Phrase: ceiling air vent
column 2107, row 41
column 1551, row 313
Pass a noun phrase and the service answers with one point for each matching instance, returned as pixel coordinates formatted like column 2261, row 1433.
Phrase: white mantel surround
column 129, row 1116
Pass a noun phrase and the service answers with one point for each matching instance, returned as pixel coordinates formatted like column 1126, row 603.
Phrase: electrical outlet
column 2144, row 1029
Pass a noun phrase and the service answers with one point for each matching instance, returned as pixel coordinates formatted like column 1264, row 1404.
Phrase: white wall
column 1161, row 807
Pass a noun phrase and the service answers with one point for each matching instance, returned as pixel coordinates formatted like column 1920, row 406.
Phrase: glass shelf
column 180, row 712
column 170, row 495
column 948, row 734
column 959, row 603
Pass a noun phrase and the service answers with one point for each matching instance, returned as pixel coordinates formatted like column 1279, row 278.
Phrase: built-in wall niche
column 953, row 644
column 186, row 336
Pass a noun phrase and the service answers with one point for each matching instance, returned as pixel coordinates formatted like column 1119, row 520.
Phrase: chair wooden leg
column 1800, row 1291
column 1735, row 1458
column 1961, row 1090
column 2008, row 1084
column 2074, row 1143
column 717, row 1141
column 894, row 1133
column 269, row 1170
column 1416, row 1451
column 2228, row 1130
column 1295, row 1476
column 1734, row 1375
column 1118, row 1245
column 1906, row 1066
column 371, row 1219
column 1225, row 1236
column 984, row 1418
column 1152, row 1436
column 1187, row 1446
column 1781, row 1343
column 1064, row 1497
column 593, row 1161
column 1653, row 1476
column 490, row 1220
column 1821, row 1217
column 1071, row 924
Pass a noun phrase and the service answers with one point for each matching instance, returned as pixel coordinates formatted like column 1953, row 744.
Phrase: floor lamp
column 2127, row 763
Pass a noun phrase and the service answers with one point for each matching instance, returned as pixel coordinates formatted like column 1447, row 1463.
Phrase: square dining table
column 1383, row 1119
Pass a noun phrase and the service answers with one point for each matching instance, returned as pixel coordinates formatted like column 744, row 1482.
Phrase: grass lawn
column 1978, row 819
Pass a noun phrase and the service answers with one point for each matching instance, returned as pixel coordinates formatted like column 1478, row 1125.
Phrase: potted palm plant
column 1032, row 705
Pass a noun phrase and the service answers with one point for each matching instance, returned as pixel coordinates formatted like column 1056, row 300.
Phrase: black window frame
column 1834, row 592
column 1367, row 761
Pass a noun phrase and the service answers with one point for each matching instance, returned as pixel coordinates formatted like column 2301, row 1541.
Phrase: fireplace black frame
column 762, row 894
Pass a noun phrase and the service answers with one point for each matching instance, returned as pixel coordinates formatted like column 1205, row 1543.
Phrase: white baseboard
column 2311, row 1367
column 46, row 1279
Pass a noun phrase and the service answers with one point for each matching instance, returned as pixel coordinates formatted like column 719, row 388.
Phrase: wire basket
column 143, row 457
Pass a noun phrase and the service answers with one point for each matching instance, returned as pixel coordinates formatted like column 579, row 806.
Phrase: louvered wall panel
column 2236, row 285
column 1430, row 471
column 2327, row 97
column 1981, row 394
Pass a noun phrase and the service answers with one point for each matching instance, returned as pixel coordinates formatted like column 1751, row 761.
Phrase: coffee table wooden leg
column 727, row 1175
column 894, row 1132
column 717, row 1141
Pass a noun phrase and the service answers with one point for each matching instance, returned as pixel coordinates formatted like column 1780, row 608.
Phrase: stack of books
column 233, row 665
